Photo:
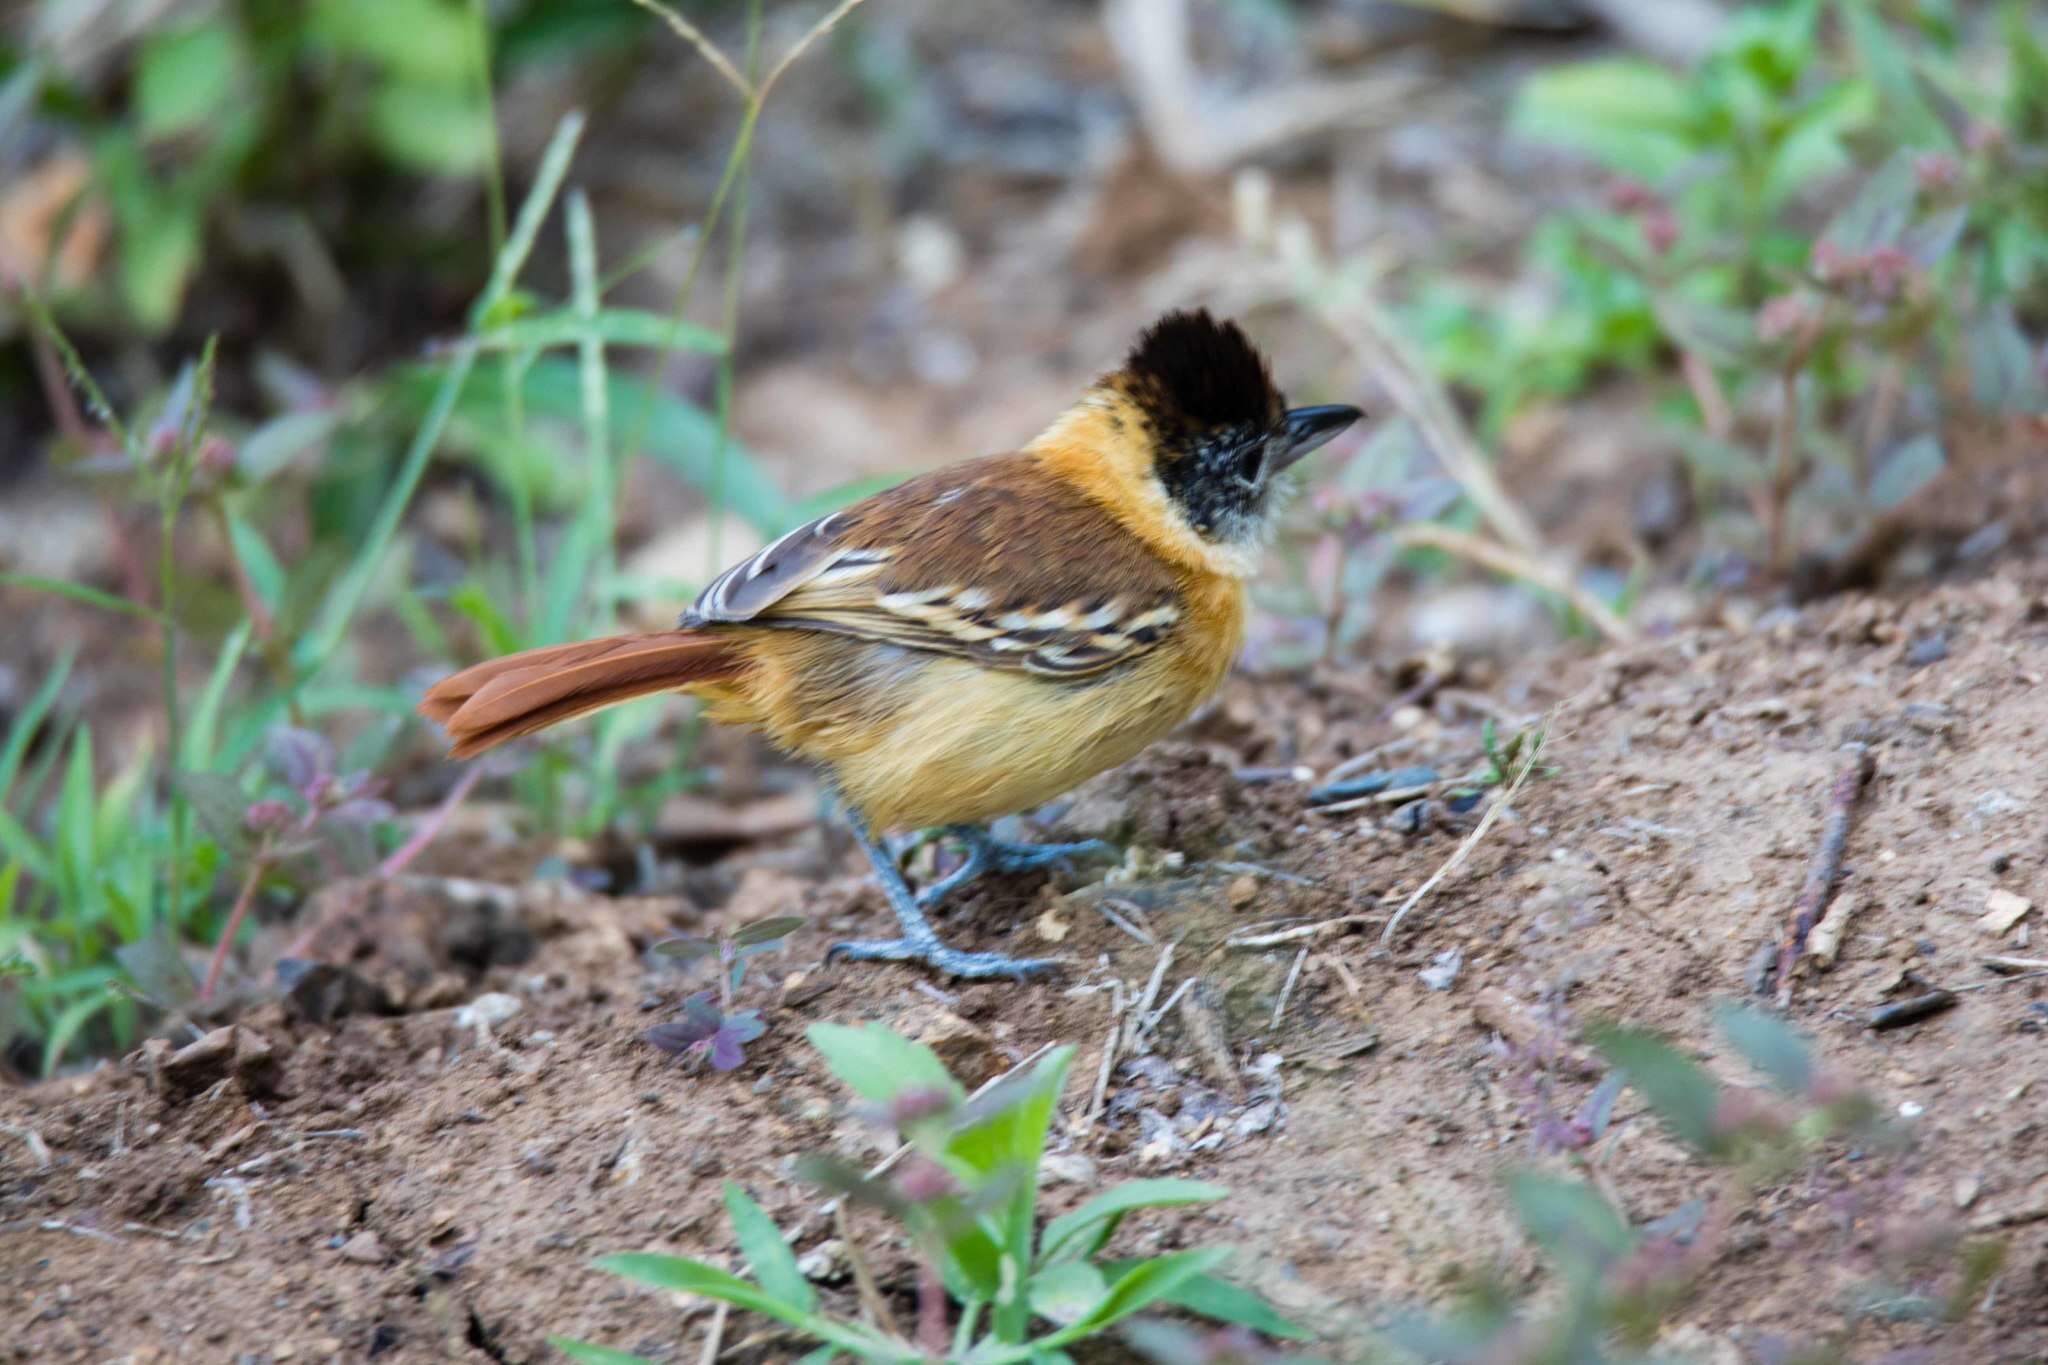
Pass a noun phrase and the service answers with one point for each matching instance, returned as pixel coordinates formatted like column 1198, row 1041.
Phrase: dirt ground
column 411, row 1186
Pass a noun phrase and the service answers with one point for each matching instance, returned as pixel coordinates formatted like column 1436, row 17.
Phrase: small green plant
column 1833, row 224
column 718, row 1031
column 994, row 1286
column 1623, row 1280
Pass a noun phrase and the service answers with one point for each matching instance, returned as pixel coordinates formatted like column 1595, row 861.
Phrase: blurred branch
column 1509, row 564
column 706, row 49
column 750, row 91
column 1153, row 47
column 1357, row 320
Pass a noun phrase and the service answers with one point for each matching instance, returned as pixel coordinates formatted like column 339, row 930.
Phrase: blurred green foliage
column 229, row 111
column 1837, row 223
column 1622, row 1282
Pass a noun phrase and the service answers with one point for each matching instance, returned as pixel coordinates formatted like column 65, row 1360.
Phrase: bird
column 981, row 638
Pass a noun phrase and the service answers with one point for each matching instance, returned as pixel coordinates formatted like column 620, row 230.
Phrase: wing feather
column 981, row 562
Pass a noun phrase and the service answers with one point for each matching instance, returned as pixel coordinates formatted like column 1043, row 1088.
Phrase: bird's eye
column 1252, row 463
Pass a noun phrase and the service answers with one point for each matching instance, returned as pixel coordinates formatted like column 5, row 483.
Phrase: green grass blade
column 601, row 496
column 79, row 592
column 26, row 722
column 679, row 434
column 1083, row 1232
column 768, row 1254
column 587, row 1354
column 205, row 720
column 557, row 328
column 1219, row 1299
column 22, row 847
column 547, row 183
column 346, row 597
column 73, row 1018
column 1145, row 1284
column 266, row 575
column 681, row 1275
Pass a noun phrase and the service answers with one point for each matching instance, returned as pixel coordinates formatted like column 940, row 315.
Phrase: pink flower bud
column 1660, row 230
column 216, row 456
column 1629, row 196
column 1937, row 171
column 1984, row 139
column 1783, row 317
column 1829, row 262
column 266, row 815
column 923, row 1181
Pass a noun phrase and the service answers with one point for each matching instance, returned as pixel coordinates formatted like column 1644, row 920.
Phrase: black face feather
column 1220, row 430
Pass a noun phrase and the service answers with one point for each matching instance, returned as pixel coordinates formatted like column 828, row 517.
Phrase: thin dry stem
column 802, row 45
column 1468, row 843
column 706, row 49
column 1505, row 561
column 244, row 898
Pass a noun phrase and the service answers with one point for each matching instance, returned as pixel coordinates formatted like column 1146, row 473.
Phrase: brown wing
column 990, row 560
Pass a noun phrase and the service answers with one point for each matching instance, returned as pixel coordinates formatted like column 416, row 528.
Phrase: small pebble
column 1930, row 648
column 493, row 1007
column 365, row 1248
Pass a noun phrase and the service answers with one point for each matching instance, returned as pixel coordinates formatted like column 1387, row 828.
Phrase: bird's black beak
column 1306, row 429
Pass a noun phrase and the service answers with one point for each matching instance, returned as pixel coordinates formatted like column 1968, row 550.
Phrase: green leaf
column 266, row 574
column 1878, row 215
column 588, row 1354
column 218, row 803
column 681, row 1275
column 767, row 1253
column 27, row 721
column 1677, row 1089
column 434, row 128
column 183, row 77
column 204, row 721
column 1087, row 1229
column 69, row 1024
column 1719, row 463
column 79, row 592
column 1219, row 1299
column 283, row 439
column 22, row 847
column 1909, row 468
column 1891, row 67
column 1770, row 1045
column 879, row 1065
column 765, row 932
column 2026, row 103
column 1567, row 1218
column 159, row 251
column 158, row 969
column 425, row 40
column 613, row 326
column 1632, row 115
column 1067, row 1292
column 2004, row 373
column 1143, row 1285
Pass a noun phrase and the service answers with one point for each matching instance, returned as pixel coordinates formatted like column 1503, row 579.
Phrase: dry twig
column 1471, row 841
column 1511, row 563
column 1826, row 868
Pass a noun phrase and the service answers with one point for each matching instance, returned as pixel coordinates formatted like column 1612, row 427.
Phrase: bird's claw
column 952, row 961
column 1005, row 855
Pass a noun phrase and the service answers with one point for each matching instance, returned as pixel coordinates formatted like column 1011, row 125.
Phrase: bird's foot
column 986, row 853
column 1006, row 855
column 952, row 961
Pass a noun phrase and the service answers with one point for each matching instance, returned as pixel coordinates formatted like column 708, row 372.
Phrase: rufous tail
column 483, row 706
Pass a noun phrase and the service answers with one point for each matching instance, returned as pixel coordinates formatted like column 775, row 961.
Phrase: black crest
column 1207, row 370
